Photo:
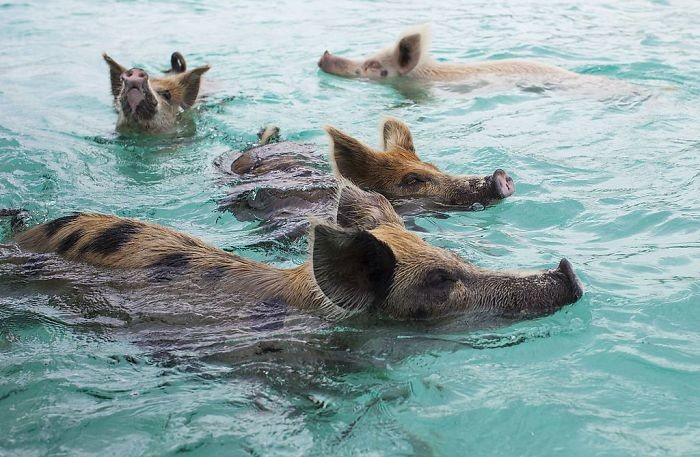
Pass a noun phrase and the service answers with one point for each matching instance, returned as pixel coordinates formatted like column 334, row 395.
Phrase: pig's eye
column 165, row 94
column 440, row 278
column 414, row 180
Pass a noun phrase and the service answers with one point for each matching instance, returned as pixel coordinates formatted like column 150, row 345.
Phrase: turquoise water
column 610, row 182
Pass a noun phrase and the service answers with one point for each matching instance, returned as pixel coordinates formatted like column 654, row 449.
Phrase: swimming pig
column 282, row 184
column 408, row 57
column 366, row 262
column 148, row 103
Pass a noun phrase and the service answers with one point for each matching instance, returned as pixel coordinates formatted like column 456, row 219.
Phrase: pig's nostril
column 129, row 73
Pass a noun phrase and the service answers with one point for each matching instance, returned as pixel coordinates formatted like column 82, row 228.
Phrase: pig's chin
column 138, row 104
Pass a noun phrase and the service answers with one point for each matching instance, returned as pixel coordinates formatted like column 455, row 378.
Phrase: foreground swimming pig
column 367, row 262
column 282, row 184
column 152, row 104
column 408, row 57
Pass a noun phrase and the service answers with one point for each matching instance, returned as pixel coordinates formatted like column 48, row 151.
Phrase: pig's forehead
column 406, row 245
column 164, row 83
column 416, row 165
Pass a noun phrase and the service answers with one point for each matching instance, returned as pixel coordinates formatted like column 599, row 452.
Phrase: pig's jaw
column 139, row 103
column 141, row 108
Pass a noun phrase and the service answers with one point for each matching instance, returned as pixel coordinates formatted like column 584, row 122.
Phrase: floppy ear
column 353, row 269
column 408, row 52
column 358, row 209
column 351, row 157
column 396, row 134
column 115, row 73
column 190, row 82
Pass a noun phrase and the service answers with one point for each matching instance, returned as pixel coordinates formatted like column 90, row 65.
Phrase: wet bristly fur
column 368, row 263
column 285, row 182
column 165, row 97
column 398, row 173
column 114, row 242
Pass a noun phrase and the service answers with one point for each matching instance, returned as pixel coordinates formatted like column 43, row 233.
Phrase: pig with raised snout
column 146, row 103
column 365, row 262
column 283, row 183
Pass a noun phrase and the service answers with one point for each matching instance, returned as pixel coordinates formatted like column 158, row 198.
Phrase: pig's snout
column 567, row 271
column 339, row 66
column 324, row 60
column 134, row 78
column 135, row 87
column 503, row 184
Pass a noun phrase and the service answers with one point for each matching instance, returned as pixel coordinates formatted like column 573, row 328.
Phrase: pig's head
column 147, row 103
column 369, row 262
column 397, row 172
column 400, row 59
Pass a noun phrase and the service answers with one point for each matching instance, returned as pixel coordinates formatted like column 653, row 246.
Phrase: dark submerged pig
column 146, row 103
column 282, row 184
column 367, row 262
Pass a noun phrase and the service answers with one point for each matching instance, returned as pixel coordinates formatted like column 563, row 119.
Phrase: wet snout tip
column 503, row 184
column 324, row 58
column 567, row 269
column 135, row 77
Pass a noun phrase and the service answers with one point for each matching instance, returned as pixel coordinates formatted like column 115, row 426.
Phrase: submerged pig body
column 366, row 263
column 146, row 103
column 283, row 184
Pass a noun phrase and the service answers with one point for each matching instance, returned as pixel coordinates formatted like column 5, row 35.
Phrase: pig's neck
column 295, row 286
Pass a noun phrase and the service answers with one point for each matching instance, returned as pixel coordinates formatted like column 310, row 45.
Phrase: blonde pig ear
column 351, row 158
column 115, row 74
column 395, row 134
column 190, row 82
column 362, row 210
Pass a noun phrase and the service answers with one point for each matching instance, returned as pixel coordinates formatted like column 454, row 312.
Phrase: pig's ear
column 409, row 51
column 350, row 157
column 395, row 134
column 190, row 82
column 115, row 73
column 178, row 64
column 362, row 210
column 353, row 269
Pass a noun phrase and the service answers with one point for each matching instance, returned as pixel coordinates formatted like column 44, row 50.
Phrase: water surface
column 610, row 182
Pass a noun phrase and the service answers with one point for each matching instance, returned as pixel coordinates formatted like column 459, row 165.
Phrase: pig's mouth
column 555, row 289
column 134, row 97
column 138, row 103
column 137, row 99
